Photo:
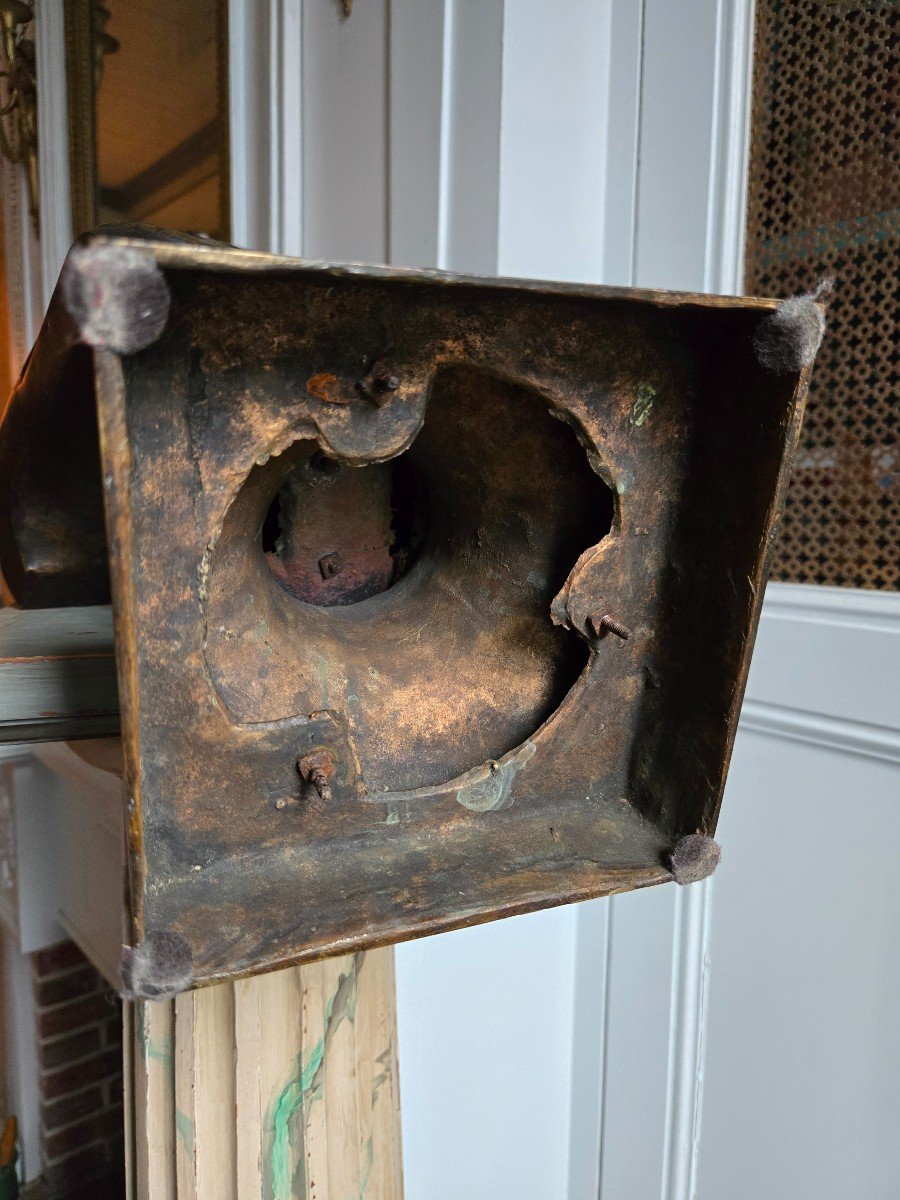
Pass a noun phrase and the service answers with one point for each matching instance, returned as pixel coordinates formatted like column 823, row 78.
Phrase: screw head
column 377, row 384
column 330, row 565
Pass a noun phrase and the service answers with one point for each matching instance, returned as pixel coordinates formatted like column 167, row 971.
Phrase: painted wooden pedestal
column 279, row 1086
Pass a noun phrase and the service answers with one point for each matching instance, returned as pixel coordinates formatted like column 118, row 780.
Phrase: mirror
column 148, row 114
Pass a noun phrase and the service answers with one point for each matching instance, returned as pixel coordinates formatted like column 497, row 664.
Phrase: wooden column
column 280, row 1086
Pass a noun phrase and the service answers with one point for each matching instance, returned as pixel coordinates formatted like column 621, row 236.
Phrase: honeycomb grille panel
column 824, row 199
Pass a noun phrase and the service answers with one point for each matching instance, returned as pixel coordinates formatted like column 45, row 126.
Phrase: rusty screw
column 377, row 384
column 600, row 626
column 316, row 769
column 331, row 565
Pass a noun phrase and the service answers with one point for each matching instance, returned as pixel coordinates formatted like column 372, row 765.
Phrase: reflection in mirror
column 158, row 153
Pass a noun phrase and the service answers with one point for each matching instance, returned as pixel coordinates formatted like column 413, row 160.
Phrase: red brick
column 113, row 1031
column 69, row 986
column 109, row 1185
column 65, row 1110
column 113, row 1089
column 70, row 1079
column 66, row 1018
column 74, row 1171
column 64, row 956
column 63, row 1050
column 76, row 1137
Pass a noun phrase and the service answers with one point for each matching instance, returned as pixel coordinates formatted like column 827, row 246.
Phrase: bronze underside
column 407, row 582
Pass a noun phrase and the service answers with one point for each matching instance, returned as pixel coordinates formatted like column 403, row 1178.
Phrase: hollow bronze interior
column 458, row 661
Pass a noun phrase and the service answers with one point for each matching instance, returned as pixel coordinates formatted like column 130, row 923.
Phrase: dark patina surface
column 434, row 596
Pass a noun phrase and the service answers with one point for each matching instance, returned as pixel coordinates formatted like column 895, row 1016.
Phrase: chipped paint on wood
column 290, row 1114
column 184, row 1127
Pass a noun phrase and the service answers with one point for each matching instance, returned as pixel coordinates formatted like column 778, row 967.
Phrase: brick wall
column 78, row 1022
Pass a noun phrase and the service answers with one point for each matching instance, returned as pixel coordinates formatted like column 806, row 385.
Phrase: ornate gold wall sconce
column 18, row 95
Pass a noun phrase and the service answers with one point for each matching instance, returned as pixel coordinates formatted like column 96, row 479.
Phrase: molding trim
column 845, row 617
column 444, row 198
column 53, row 143
column 265, row 86
column 727, row 200
column 815, row 729
column 32, row 264
column 469, row 142
column 286, row 126
column 590, row 1044
column 57, row 674
column 625, row 66
column 22, row 271
column 687, row 1040
column 250, row 146
column 878, row 612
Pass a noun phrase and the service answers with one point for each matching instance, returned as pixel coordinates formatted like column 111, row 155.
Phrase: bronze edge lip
column 218, row 257
column 632, row 879
column 43, row 658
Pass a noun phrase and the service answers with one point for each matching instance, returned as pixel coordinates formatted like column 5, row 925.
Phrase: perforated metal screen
column 824, row 199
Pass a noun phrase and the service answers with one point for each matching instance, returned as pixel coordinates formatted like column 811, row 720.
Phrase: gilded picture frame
column 87, row 44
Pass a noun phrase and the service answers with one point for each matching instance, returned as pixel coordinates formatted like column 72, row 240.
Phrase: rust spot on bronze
column 326, row 387
column 316, row 769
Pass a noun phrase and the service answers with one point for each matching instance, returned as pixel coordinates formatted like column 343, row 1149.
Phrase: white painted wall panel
column 416, row 55
column 485, row 1021
column 30, row 799
column 470, row 136
column 625, row 67
column 809, row 641
column 803, row 1050
column 593, row 939
column 638, row 1012
column 675, row 142
column 553, row 139
column 345, row 132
